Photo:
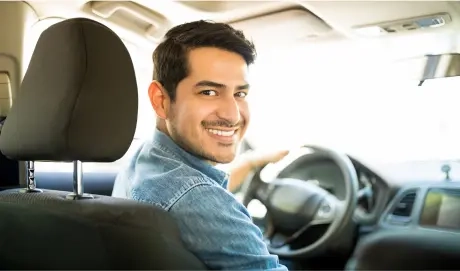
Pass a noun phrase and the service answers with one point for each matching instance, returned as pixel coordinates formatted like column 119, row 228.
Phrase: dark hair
column 170, row 65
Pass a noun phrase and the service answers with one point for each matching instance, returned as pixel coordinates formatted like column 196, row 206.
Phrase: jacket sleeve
column 219, row 230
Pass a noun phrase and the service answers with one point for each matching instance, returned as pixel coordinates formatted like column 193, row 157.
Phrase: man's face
column 210, row 113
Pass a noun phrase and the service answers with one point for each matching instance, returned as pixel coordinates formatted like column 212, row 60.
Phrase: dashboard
column 396, row 210
column 431, row 205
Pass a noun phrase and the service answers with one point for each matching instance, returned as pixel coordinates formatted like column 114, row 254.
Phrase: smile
column 222, row 132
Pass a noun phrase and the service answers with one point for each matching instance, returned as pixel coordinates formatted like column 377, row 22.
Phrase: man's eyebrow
column 243, row 87
column 207, row 83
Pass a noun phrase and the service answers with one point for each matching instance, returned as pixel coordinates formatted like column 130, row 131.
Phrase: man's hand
column 263, row 160
column 249, row 162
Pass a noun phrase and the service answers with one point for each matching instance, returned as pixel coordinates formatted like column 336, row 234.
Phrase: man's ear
column 159, row 99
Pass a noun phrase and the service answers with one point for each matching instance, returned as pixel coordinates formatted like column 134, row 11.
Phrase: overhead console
column 434, row 206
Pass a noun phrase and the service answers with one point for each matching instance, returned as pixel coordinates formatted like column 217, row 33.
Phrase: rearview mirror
column 425, row 67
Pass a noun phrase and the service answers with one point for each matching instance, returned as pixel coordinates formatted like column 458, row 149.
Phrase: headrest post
column 77, row 178
column 78, row 189
column 31, row 186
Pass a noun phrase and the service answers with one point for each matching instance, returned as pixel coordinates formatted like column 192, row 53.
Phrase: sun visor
column 277, row 28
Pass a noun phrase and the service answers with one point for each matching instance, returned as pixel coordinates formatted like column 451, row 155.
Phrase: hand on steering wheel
column 263, row 160
column 295, row 205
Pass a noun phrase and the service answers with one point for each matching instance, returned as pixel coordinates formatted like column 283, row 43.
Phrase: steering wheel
column 295, row 205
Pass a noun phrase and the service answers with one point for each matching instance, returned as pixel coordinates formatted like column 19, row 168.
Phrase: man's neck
column 207, row 167
column 161, row 126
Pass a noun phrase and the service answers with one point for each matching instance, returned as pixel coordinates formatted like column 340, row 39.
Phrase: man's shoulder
column 160, row 179
column 210, row 198
column 207, row 214
column 164, row 190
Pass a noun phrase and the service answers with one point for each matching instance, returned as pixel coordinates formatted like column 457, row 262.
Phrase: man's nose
column 229, row 110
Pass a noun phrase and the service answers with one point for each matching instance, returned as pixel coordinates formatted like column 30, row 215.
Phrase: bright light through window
column 332, row 95
column 378, row 119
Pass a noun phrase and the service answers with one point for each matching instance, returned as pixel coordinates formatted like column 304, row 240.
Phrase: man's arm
column 248, row 163
column 239, row 173
column 219, row 231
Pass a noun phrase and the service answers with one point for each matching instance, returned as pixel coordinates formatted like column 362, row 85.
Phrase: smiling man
column 199, row 96
column 209, row 113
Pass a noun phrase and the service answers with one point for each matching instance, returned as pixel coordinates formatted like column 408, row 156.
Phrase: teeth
column 221, row 133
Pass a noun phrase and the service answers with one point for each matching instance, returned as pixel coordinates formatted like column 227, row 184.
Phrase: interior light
column 431, row 22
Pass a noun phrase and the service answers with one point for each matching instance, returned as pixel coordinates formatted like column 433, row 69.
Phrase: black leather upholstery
column 78, row 101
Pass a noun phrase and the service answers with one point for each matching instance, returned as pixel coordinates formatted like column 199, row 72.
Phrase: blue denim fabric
column 213, row 224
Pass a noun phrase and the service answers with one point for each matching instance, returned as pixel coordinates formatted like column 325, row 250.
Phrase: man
column 199, row 96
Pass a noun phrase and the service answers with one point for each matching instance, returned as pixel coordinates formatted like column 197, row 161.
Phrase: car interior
column 364, row 94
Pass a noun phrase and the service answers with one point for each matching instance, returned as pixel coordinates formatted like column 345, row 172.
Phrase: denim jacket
column 214, row 225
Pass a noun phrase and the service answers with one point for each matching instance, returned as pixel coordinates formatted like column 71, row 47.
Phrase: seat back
column 47, row 231
column 80, row 79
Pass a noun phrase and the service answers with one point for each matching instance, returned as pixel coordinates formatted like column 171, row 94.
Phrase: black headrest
column 78, row 99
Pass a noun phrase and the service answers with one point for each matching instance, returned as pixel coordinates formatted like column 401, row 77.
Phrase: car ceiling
column 314, row 21
column 329, row 26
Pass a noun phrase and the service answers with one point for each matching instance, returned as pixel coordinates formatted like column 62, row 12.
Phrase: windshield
column 344, row 95
column 342, row 104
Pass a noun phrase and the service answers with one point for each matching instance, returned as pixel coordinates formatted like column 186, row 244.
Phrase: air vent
column 402, row 211
column 404, row 207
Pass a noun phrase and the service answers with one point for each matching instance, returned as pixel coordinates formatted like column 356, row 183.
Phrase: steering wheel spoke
column 327, row 211
column 263, row 191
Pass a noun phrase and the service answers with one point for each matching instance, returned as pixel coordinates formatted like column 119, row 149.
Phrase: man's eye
column 241, row 94
column 209, row 92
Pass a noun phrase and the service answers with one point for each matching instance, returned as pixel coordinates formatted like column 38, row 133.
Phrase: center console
column 427, row 206
column 441, row 209
column 419, row 230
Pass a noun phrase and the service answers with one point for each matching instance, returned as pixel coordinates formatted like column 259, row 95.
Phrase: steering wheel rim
column 343, row 215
